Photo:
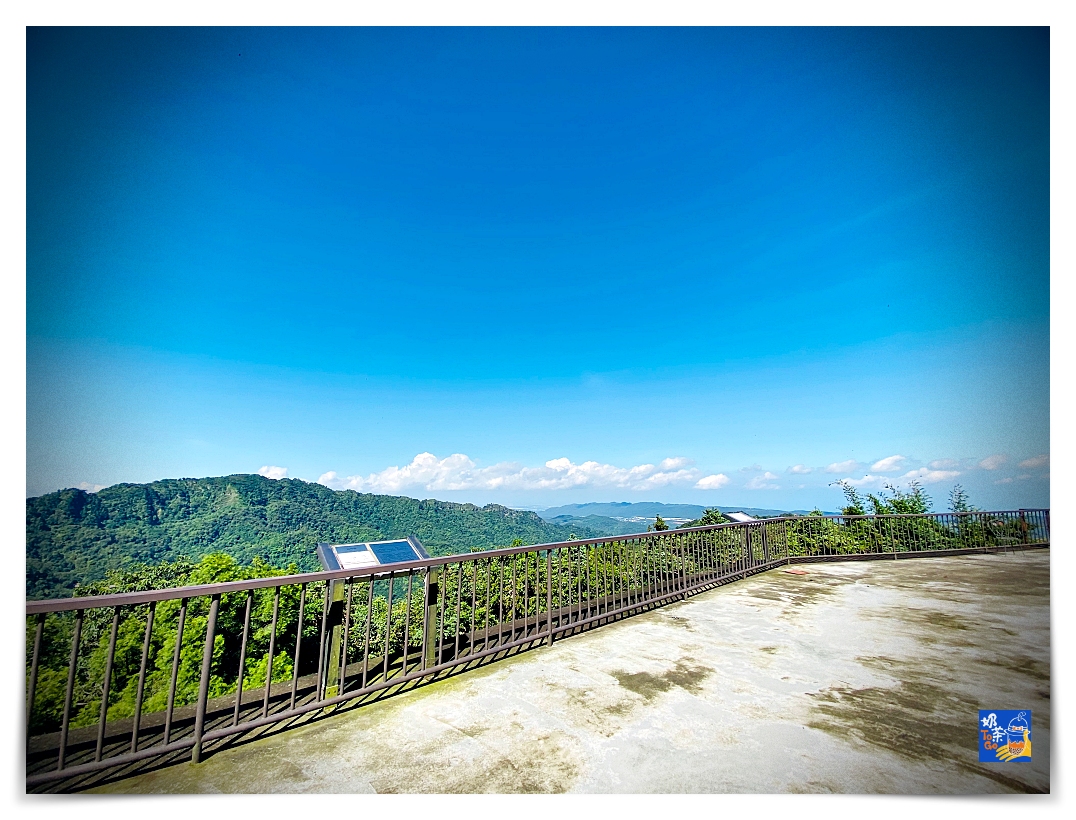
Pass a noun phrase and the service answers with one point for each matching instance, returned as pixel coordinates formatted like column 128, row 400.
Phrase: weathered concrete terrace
column 854, row 677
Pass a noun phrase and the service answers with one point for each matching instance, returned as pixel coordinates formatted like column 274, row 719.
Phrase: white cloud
column 867, row 481
column 760, row 482
column 922, row 475
column 944, row 464
column 1032, row 463
column 273, row 472
column 993, row 462
column 927, row 476
column 1024, row 477
column 842, row 466
column 890, row 464
column 675, row 463
column 90, row 488
column 459, row 472
column 1004, row 481
column 799, row 469
column 751, row 468
column 712, row 482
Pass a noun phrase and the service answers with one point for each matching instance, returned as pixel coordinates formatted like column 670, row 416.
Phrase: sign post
column 359, row 556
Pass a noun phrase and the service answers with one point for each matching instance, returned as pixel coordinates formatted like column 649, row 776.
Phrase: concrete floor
column 856, row 677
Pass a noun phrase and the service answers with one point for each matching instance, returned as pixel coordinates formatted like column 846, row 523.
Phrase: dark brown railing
column 116, row 681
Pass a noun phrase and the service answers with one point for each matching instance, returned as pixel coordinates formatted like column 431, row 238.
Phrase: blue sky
column 541, row 266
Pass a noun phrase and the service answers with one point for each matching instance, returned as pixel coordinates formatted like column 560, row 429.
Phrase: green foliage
column 914, row 501
column 854, row 505
column 131, row 634
column 76, row 538
column 712, row 515
column 959, row 501
column 660, row 525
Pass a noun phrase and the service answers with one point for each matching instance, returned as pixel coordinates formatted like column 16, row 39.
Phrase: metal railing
column 114, row 681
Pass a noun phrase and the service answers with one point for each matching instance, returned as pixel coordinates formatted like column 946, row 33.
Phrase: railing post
column 333, row 621
column 430, row 631
column 203, row 688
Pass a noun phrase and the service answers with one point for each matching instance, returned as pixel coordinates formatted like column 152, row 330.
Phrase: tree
column 959, row 501
column 660, row 525
column 855, row 504
column 711, row 515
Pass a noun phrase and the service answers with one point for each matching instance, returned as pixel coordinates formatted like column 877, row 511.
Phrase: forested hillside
column 76, row 537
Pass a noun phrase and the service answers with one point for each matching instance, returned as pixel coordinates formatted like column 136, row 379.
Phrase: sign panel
column 370, row 553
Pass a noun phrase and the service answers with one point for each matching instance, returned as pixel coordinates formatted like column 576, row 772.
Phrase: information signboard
column 370, row 553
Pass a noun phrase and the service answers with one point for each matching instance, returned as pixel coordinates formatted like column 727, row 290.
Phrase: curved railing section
column 116, row 682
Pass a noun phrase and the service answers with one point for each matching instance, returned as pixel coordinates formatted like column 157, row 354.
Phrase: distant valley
column 627, row 517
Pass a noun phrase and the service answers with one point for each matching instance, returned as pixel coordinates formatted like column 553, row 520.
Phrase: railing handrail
column 226, row 587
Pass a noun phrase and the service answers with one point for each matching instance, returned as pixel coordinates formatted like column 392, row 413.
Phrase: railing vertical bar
column 298, row 645
column 696, row 564
column 272, row 650
column 640, row 551
column 242, row 659
column 613, row 593
column 565, row 604
column 575, row 569
column 603, row 599
column 407, row 622
column 424, row 652
column 140, row 691
column 473, row 566
column 635, row 572
column 388, row 624
column 459, row 610
column 630, row 564
column 345, row 638
column 34, row 664
column 366, row 640
column 526, row 595
column 69, row 692
column 549, row 594
column 489, row 583
column 515, row 600
column 203, row 685
column 625, row 575
column 500, row 600
column 106, row 684
column 319, row 688
column 684, row 555
column 440, row 636
column 599, row 587
column 175, row 671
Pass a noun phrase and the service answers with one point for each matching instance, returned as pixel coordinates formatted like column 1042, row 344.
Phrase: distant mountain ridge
column 75, row 537
column 650, row 509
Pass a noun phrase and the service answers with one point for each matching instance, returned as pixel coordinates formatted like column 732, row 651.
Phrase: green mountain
column 598, row 523
column 75, row 537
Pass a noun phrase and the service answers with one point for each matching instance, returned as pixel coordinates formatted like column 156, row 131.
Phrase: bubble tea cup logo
column 1004, row 735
